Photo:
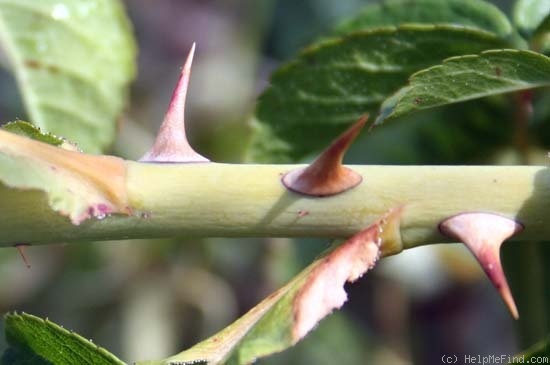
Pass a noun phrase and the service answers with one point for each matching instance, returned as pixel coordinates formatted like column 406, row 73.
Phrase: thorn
column 326, row 176
column 171, row 144
column 21, row 248
column 483, row 234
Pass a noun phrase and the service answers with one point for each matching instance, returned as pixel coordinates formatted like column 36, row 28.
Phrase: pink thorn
column 171, row 144
column 21, row 248
column 483, row 234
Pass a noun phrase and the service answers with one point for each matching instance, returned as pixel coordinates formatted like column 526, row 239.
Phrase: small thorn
column 483, row 234
column 171, row 144
column 326, row 176
column 21, row 248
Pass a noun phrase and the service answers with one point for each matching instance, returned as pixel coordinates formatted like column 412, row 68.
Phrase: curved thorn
column 483, row 234
column 171, row 144
column 326, row 176
column 21, row 248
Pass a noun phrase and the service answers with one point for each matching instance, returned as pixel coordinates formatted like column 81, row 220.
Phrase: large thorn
column 326, row 176
column 483, row 234
column 171, row 144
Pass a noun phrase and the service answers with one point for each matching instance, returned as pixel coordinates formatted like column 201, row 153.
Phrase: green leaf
column 314, row 98
column 77, row 185
column 422, row 138
column 544, row 26
column 539, row 351
column 35, row 341
column 528, row 14
column 29, row 130
column 541, row 36
column 469, row 13
column 339, row 339
column 468, row 77
column 73, row 61
column 288, row 314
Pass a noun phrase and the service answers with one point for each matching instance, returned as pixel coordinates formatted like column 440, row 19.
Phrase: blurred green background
column 146, row 299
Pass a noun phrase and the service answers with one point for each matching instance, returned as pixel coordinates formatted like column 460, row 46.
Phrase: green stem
column 524, row 265
column 249, row 200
